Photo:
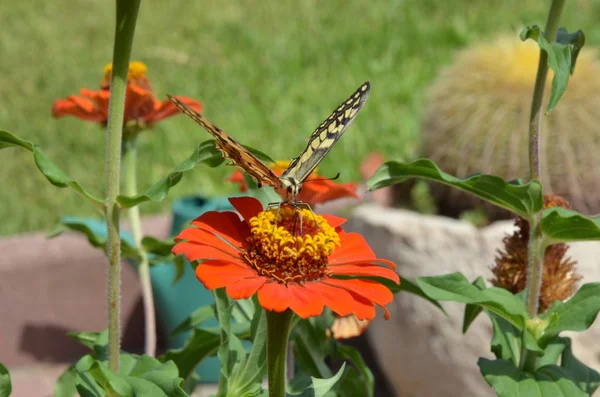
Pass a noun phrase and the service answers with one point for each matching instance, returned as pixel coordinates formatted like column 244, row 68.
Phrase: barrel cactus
column 476, row 121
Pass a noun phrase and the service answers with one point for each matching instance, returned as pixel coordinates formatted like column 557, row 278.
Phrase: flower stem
column 127, row 11
column 278, row 331
column 536, row 248
column 130, row 159
column 535, row 119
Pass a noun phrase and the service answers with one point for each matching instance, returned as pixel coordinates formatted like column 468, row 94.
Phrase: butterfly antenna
column 322, row 179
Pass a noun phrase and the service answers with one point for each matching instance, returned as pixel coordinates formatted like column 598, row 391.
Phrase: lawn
column 268, row 72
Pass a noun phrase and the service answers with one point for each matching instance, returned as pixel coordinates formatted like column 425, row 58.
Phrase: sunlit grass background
column 268, row 72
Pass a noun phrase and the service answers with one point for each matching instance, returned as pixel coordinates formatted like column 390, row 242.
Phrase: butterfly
column 289, row 184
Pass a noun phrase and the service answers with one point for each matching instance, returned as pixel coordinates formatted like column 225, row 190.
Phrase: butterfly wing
column 326, row 135
column 232, row 150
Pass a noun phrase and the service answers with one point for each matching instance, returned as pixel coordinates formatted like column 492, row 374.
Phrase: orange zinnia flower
column 315, row 189
column 293, row 258
column 142, row 108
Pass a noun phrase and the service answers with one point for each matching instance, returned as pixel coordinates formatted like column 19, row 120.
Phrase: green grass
column 268, row 72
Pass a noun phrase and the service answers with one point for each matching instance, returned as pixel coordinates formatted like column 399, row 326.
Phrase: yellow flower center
column 137, row 70
column 290, row 245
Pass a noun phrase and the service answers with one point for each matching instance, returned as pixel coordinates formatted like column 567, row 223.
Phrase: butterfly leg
column 270, row 206
column 300, row 204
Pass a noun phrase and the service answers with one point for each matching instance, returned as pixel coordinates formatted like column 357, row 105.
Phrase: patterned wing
column 232, row 150
column 326, row 135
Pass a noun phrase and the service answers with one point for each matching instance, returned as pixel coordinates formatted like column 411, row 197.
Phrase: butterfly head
column 290, row 187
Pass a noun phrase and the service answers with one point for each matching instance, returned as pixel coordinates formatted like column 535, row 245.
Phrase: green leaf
column 455, row 287
column 405, row 286
column 138, row 376
column 553, row 352
column 95, row 341
column 506, row 340
column 9, row 140
column 563, row 225
column 509, row 381
column 412, row 288
column 231, row 351
column 576, row 40
column 576, row 314
column 180, row 263
column 586, row 378
column 51, row 171
column 562, row 55
column 319, row 387
column 521, row 199
column 247, row 379
column 361, row 379
column 311, row 345
column 65, row 385
column 152, row 245
column 322, row 386
column 200, row 345
column 204, row 153
column 195, row 319
column 95, row 232
column 472, row 311
column 5, row 383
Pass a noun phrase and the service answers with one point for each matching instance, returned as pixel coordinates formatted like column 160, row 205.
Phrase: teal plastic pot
column 176, row 302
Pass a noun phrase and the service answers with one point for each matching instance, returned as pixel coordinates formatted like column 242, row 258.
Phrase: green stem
column 535, row 119
column 536, row 248
column 278, row 331
column 535, row 266
column 127, row 11
column 130, row 159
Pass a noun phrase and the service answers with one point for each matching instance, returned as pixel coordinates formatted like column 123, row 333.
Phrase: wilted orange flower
column 142, row 108
column 559, row 280
column 293, row 258
column 315, row 189
column 347, row 327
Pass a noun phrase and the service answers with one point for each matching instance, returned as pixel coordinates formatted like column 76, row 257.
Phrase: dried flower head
column 510, row 269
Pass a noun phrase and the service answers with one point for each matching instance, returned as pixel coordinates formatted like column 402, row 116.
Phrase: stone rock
column 424, row 352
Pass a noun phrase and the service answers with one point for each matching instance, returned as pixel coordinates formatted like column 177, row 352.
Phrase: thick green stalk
column 535, row 269
column 535, row 119
column 278, row 332
column 536, row 249
column 130, row 159
column 127, row 11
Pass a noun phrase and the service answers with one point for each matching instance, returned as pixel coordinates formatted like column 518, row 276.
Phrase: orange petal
column 224, row 224
column 248, row 207
column 353, row 247
column 201, row 236
column 167, row 108
column 274, row 297
column 194, row 252
column 79, row 107
column 303, row 303
column 368, row 289
column 139, row 101
column 100, row 97
column 238, row 178
column 365, row 270
column 374, row 262
column 322, row 191
column 336, row 299
column 216, row 273
column 363, row 309
column 245, row 288
column 334, row 221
